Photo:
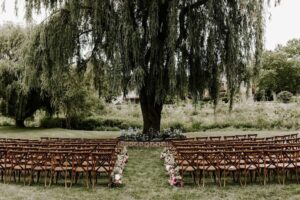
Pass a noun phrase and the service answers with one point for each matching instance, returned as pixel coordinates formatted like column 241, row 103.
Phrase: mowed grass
column 144, row 176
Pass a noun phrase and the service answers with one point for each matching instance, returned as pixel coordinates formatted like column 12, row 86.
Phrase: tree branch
column 182, row 15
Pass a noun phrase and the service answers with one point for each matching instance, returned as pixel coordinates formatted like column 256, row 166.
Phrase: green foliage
column 137, row 135
column 281, row 69
column 26, row 84
column 159, row 47
column 285, row 96
column 177, row 126
column 91, row 123
column 19, row 100
column 50, row 122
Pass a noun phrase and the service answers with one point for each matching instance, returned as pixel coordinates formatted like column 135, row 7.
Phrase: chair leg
column 3, row 174
column 87, row 179
column 203, row 179
column 224, row 177
column 45, row 178
column 296, row 174
column 38, row 177
column 265, row 176
column 93, row 179
column 66, row 174
column 51, row 177
column 200, row 177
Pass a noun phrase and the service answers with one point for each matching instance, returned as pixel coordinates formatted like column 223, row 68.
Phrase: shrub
column 103, row 128
column 137, row 135
column 206, row 99
column 196, row 125
column 53, row 122
column 177, row 125
column 285, row 96
column 88, row 124
column 225, row 99
column 194, row 113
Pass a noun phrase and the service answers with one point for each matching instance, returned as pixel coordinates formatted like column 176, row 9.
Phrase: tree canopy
column 17, row 100
column 159, row 47
column 281, row 69
column 23, row 90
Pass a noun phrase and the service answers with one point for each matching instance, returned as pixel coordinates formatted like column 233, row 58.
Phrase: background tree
column 17, row 100
column 23, row 90
column 160, row 47
column 281, row 69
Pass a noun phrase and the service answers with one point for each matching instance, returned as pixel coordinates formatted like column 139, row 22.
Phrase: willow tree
column 160, row 47
column 17, row 100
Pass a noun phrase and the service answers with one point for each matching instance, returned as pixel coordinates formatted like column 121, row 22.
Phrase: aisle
column 144, row 171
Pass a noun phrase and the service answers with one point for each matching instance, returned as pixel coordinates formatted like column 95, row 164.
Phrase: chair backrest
column 104, row 160
column 18, row 159
column 232, row 137
column 215, row 138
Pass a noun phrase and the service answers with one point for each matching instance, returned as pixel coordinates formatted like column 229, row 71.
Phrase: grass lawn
column 144, row 176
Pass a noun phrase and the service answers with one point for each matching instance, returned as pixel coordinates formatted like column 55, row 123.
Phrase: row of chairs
column 244, row 137
column 240, row 164
column 241, row 158
column 56, row 160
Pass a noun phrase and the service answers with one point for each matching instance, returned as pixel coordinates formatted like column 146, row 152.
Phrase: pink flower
column 172, row 180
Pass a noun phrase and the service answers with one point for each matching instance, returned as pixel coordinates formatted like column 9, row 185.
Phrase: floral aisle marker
column 117, row 173
column 175, row 179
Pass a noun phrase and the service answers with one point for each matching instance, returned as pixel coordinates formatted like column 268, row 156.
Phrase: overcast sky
column 282, row 26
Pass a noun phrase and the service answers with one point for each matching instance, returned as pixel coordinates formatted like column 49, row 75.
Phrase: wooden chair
column 82, row 164
column 252, row 136
column 289, row 163
column 41, row 164
column 271, row 158
column 241, row 137
column 201, row 138
column 3, row 164
column 215, row 138
column 187, row 162
column 229, row 137
column 103, row 162
column 19, row 165
column 61, row 164
column 230, row 163
column 209, row 165
column 251, row 164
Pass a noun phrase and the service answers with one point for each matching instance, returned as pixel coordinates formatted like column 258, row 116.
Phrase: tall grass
column 190, row 118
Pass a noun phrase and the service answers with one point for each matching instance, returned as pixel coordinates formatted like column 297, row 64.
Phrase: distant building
column 131, row 97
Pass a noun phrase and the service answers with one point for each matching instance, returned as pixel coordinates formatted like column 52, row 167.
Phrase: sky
column 282, row 26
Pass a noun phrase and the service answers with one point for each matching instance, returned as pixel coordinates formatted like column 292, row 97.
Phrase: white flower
column 168, row 168
column 118, row 177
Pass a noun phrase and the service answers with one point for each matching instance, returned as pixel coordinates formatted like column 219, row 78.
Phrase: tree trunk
column 151, row 113
column 20, row 123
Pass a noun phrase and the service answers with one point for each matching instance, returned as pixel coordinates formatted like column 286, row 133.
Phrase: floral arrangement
column 136, row 134
column 175, row 178
column 117, row 173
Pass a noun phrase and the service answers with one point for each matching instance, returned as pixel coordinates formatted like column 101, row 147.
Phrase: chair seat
column 208, row 168
column 5, row 166
column 83, row 169
column 228, row 168
column 102, row 169
column 248, row 167
column 286, row 165
column 59, row 169
column 22, row 167
column 270, row 166
column 42, row 168
column 187, row 168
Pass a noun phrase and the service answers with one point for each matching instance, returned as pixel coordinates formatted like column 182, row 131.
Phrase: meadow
column 144, row 176
column 186, row 116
